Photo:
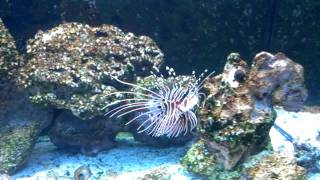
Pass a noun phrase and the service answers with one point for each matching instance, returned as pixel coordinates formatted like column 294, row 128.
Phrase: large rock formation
column 10, row 60
column 20, row 121
column 71, row 68
column 71, row 65
column 238, row 113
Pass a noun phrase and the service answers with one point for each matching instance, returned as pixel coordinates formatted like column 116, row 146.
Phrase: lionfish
column 165, row 111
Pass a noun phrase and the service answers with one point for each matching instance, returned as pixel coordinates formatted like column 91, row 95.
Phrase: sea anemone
column 167, row 110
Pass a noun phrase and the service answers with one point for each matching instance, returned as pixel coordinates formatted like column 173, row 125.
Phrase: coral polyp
column 167, row 110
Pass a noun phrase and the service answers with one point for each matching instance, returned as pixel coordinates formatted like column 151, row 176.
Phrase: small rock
column 82, row 173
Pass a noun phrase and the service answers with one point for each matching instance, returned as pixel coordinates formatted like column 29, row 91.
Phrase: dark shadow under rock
column 162, row 141
column 86, row 136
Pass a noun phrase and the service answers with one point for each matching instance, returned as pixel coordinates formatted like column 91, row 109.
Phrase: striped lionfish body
column 168, row 110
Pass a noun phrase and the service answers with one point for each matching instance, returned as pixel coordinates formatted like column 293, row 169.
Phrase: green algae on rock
column 15, row 146
column 71, row 66
column 228, row 127
column 273, row 166
column 265, row 165
column 200, row 160
column 20, row 126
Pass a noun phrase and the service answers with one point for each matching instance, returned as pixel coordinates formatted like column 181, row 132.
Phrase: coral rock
column 238, row 113
column 20, row 121
column 10, row 60
column 71, row 66
column 276, row 166
column 20, row 125
column 279, row 77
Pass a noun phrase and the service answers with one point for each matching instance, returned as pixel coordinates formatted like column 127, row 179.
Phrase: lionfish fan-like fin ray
column 141, row 115
column 133, row 110
column 123, row 100
column 164, row 90
column 193, row 120
column 172, row 120
column 155, row 132
column 183, row 126
column 119, row 113
column 139, row 87
column 133, row 93
column 164, row 125
column 163, row 122
column 177, row 127
column 150, row 125
column 175, row 130
column 116, row 110
column 181, row 95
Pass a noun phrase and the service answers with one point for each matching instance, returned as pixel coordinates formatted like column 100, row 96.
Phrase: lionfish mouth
column 167, row 111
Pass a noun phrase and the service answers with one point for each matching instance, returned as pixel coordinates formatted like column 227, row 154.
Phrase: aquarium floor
column 128, row 161
column 132, row 160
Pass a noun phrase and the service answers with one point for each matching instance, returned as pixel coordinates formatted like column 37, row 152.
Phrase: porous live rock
column 10, row 60
column 71, row 66
column 279, row 77
column 274, row 166
column 238, row 112
column 226, row 122
column 20, row 121
column 199, row 160
column 20, row 125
